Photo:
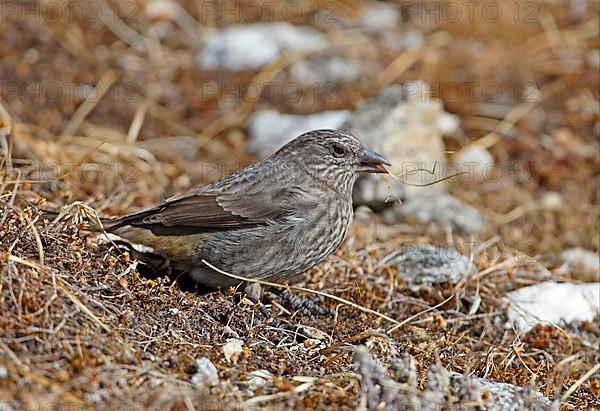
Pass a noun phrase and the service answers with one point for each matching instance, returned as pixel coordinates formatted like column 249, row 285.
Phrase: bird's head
column 332, row 155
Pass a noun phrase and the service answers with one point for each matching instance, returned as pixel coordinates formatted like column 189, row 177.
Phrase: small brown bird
column 272, row 220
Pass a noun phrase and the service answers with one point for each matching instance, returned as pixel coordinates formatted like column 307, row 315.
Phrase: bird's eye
column 337, row 150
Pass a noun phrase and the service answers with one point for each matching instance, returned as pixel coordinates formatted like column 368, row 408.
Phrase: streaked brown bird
column 272, row 220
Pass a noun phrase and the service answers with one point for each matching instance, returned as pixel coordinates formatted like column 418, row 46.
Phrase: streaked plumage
column 272, row 220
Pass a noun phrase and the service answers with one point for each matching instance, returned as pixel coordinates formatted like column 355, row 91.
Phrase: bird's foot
column 310, row 306
column 253, row 292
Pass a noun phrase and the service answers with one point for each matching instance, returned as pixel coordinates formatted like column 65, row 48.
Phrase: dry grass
column 81, row 321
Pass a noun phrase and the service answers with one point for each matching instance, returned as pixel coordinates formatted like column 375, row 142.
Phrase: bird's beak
column 372, row 162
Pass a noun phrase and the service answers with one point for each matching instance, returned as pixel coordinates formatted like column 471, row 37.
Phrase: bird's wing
column 214, row 210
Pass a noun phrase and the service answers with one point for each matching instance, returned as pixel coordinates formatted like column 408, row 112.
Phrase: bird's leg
column 253, row 292
column 310, row 306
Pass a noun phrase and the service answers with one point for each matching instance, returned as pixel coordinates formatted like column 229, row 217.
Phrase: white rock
column 259, row 378
column 552, row 201
column 582, row 261
column 552, row 302
column 269, row 129
column 477, row 162
column 162, row 9
column 232, row 349
column 447, row 123
column 408, row 40
column 506, row 397
column 325, row 71
column 206, row 373
column 251, row 46
column 380, row 16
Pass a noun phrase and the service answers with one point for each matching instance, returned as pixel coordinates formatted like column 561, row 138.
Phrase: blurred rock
column 425, row 265
column 552, row 302
column 501, row 396
column 552, row 201
column 251, row 46
column 409, row 40
column 443, row 389
column 232, row 349
column 269, row 129
column 441, row 208
column 325, row 70
column 206, row 373
column 162, row 9
column 259, row 378
column 476, row 161
column 405, row 125
column 378, row 16
column 583, row 262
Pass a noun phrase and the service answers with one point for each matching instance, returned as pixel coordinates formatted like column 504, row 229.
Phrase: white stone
column 327, row 72
column 476, row 161
column 162, row 9
column 552, row 201
column 252, row 46
column 206, row 373
column 269, row 129
column 259, row 378
column 582, row 261
column 232, row 349
column 554, row 303
column 380, row 16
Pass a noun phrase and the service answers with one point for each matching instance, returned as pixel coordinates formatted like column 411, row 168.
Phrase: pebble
column 206, row 373
column 583, row 262
column 259, row 378
column 329, row 72
column 378, row 16
column 476, row 161
column 252, row 46
column 556, row 303
column 425, row 265
column 552, row 201
column 232, row 349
